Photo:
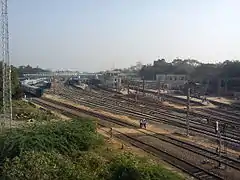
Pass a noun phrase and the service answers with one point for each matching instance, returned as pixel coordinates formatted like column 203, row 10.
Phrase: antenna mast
column 6, row 67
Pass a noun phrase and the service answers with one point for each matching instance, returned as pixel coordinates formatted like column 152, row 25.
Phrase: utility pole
column 143, row 85
column 54, row 83
column 128, row 84
column 225, row 149
column 219, row 142
column 188, row 108
column 6, row 67
column 137, row 91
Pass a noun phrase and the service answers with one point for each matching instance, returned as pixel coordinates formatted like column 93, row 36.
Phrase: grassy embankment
column 69, row 150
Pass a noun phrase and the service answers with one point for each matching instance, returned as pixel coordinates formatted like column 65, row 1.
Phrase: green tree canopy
column 30, row 70
column 16, row 90
column 196, row 71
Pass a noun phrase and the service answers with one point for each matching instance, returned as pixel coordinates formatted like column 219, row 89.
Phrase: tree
column 30, row 70
column 16, row 90
column 208, row 74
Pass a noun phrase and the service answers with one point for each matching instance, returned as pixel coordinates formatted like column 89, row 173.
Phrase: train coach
column 44, row 85
column 32, row 90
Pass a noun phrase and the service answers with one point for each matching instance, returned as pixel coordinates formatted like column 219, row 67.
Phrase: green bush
column 129, row 167
column 23, row 111
column 63, row 137
column 62, row 150
column 82, row 166
column 51, row 165
column 44, row 166
column 92, row 162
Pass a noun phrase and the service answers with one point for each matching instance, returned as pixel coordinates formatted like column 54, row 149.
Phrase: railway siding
column 94, row 99
column 142, row 136
column 159, row 116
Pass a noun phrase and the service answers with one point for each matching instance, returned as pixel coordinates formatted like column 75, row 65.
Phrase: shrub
column 60, row 150
column 24, row 110
column 62, row 137
column 129, row 167
column 93, row 162
column 44, row 166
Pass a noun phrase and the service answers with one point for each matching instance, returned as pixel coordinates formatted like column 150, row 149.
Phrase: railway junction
column 201, row 140
column 198, row 135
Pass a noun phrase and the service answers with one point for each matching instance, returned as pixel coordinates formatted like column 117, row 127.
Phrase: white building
column 112, row 79
column 171, row 81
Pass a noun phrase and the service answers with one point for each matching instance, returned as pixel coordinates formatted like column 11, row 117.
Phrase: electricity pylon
column 6, row 68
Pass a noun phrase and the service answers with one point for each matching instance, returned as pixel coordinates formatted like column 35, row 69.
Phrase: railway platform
column 180, row 97
column 223, row 100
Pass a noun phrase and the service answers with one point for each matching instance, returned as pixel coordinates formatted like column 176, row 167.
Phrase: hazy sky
column 92, row 35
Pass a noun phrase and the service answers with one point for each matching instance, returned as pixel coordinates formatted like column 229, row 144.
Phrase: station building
column 111, row 79
column 171, row 81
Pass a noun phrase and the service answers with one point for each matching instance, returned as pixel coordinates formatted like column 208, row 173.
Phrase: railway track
column 214, row 115
column 235, row 116
column 189, row 167
column 228, row 106
column 156, row 117
column 226, row 111
column 170, row 98
column 223, row 117
column 226, row 114
column 166, row 118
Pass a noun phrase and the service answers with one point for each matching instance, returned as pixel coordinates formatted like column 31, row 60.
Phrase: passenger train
column 32, row 90
column 35, row 89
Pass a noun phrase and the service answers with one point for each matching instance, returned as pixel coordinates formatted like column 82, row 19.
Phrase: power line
column 6, row 67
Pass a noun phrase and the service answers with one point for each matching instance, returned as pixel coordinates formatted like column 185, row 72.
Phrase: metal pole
column 6, row 65
column 10, row 95
column 143, row 86
column 54, row 84
column 219, row 142
column 137, row 91
column 220, row 147
column 128, row 86
column 188, row 108
column 225, row 149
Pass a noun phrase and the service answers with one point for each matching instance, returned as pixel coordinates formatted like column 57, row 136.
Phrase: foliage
column 129, row 167
column 93, row 162
column 16, row 90
column 24, row 111
column 44, row 166
column 177, row 66
column 85, row 165
column 208, row 74
column 30, row 70
column 65, row 150
column 62, row 137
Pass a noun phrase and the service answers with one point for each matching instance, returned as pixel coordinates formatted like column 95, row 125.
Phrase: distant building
column 111, row 79
column 171, row 81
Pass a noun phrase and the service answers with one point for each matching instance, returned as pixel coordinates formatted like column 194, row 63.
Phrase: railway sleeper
column 203, row 175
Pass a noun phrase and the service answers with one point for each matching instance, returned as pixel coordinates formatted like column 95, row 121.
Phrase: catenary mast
column 6, row 68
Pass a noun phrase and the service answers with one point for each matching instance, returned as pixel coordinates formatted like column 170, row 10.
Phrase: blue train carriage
column 48, row 85
column 36, row 91
column 44, row 85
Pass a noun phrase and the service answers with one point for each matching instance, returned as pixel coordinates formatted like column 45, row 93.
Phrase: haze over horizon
column 93, row 35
